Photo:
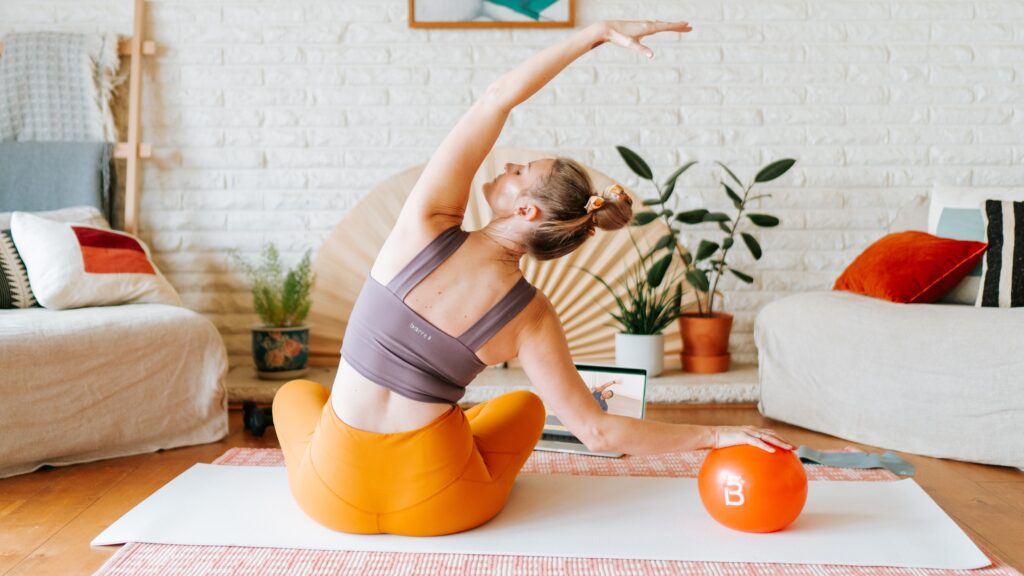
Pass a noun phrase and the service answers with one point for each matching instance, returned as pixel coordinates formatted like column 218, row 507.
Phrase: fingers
column 632, row 43
column 630, row 33
column 663, row 26
column 674, row 26
column 768, row 436
column 757, row 443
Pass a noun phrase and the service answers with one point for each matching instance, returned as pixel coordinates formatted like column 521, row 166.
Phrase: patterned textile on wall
column 15, row 291
column 56, row 86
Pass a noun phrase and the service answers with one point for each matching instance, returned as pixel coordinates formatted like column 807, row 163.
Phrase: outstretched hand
column 627, row 33
column 761, row 438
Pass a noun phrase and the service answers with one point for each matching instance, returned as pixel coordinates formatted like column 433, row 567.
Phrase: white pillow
column 956, row 213
column 88, row 215
column 75, row 265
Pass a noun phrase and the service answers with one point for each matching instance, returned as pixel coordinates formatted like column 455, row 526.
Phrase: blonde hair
column 571, row 209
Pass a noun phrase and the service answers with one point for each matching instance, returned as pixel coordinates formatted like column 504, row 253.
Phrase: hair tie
column 618, row 191
column 594, row 202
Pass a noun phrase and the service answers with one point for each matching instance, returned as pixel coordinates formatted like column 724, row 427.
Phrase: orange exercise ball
column 749, row 489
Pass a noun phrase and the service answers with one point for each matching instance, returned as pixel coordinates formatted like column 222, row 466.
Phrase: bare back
column 452, row 298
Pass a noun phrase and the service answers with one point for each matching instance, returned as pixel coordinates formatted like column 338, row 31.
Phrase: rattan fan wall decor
column 345, row 258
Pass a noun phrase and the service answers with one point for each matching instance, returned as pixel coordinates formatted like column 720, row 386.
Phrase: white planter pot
column 645, row 351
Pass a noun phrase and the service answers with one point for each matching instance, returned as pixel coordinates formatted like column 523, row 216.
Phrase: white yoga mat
column 858, row 523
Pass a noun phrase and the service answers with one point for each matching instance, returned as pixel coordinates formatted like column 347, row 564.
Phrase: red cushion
column 911, row 267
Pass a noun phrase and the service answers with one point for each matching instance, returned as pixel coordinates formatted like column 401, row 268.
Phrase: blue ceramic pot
column 280, row 349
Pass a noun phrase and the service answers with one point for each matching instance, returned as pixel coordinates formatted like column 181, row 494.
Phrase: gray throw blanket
column 56, row 86
column 50, row 175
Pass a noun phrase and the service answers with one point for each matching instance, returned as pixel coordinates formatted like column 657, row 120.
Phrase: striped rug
column 165, row 560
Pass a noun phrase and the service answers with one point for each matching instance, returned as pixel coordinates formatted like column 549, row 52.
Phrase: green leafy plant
column 281, row 299
column 644, row 308
column 705, row 266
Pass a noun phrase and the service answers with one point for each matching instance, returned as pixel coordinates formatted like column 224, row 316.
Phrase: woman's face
column 509, row 190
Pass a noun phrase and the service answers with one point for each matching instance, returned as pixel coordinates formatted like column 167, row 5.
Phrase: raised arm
column 544, row 354
column 442, row 191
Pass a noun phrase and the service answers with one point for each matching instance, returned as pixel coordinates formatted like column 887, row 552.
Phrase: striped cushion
column 956, row 213
column 15, row 291
column 1002, row 282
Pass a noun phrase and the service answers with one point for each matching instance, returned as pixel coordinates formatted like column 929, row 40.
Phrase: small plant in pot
column 646, row 307
column 705, row 332
column 280, row 347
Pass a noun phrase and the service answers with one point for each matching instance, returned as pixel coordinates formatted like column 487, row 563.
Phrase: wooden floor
column 47, row 518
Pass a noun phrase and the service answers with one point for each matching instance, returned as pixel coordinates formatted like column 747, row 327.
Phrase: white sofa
column 93, row 383
column 941, row 380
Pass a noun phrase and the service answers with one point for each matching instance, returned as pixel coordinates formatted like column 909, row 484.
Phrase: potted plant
column 705, row 332
column 280, row 347
column 647, row 306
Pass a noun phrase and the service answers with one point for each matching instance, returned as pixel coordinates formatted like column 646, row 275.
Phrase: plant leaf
column 635, row 162
column 657, row 272
column 716, row 217
column 736, row 200
column 642, row 218
column 763, row 220
column 752, row 245
column 692, row 216
column 774, row 170
column 741, row 275
column 653, row 202
column 706, row 249
column 731, row 175
column 727, row 242
column 698, row 279
column 665, row 241
column 618, row 301
column 724, row 227
column 670, row 182
column 687, row 258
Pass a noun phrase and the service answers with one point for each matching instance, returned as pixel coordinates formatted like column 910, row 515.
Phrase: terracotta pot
column 705, row 342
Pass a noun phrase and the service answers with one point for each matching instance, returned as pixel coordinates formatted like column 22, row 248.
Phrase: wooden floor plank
column 69, row 545
column 66, row 492
column 1009, row 491
column 58, row 512
column 67, row 550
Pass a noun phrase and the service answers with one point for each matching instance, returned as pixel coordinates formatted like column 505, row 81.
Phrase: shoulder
column 404, row 242
column 410, row 233
column 540, row 317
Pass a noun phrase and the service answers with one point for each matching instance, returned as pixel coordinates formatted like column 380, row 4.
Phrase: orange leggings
column 453, row 474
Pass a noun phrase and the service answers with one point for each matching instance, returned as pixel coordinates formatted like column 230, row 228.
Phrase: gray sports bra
column 392, row 345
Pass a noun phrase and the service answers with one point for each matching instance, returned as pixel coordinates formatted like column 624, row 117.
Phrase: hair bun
column 617, row 208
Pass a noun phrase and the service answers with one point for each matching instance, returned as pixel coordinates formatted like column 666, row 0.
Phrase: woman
column 390, row 451
column 602, row 394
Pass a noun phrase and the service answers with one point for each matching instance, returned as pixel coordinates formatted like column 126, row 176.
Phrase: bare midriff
column 366, row 405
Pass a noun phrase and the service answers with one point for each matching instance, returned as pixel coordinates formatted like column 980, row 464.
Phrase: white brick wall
column 270, row 119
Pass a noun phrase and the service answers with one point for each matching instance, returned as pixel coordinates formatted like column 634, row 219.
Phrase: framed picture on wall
column 491, row 13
